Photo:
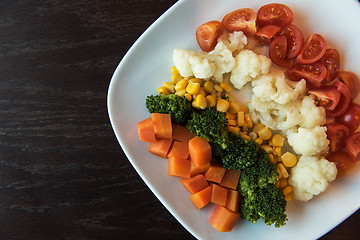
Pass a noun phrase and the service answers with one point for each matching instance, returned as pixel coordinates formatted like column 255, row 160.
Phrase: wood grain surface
column 63, row 174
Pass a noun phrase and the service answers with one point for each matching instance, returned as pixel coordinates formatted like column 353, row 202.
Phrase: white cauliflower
column 312, row 115
column 311, row 176
column 201, row 66
column 234, row 41
column 273, row 86
column 309, row 141
column 248, row 65
column 181, row 60
column 223, row 60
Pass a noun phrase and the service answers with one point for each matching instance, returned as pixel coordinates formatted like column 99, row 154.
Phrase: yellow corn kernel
column 244, row 136
column 176, row 78
column 181, row 93
column 276, row 184
column 174, row 70
column 180, row 85
column 283, row 170
column 277, row 151
column 209, row 86
column 234, row 107
column 283, row 183
column 259, row 141
column 253, row 136
column 169, row 86
column 218, row 88
column 271, row 158
column 233, row 129
column 289, row 159
column 267, row 148
column 288, row 197
column 265, row 133
column 193, row 88
column 196, row 80
column 201, row 92
column 279, row 173
column 230, row 116
column 231, row 122
column 257, row 127
column 230, row 98
column 222, row 105
column 248, row 121
column 188, row 96
column 225, row 86
column 288, row 189
column 163, row 91
column 240, row 118
column 210, row 100
column 277, row 140
column 201, row 101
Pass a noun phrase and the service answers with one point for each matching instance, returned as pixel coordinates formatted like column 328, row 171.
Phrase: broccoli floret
column 178, row 107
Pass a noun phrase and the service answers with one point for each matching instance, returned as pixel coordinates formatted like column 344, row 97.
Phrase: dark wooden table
column 63, row 174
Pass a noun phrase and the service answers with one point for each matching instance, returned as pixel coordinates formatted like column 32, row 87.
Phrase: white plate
column 147, row 65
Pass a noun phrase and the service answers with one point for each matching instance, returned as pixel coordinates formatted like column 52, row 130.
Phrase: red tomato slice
column 351, row 117
column 295, row 41
column 326, row 96
column 351, row 81
column 207, row 35
column 343, row 161
column 274, row 14
column 241, row 20
column 268, row 31
column 331, row 61
column 344, row 99
column 314, row 49
column 353, row 146
column 277, row 52
column 337, row 134
column 313, row 73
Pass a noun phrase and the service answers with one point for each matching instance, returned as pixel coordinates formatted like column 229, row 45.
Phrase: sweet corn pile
column 206, row 93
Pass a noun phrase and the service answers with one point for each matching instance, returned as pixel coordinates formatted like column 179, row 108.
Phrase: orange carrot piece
column 230, row 179
column 179, row 167
column 160, row 147
column 179, row 149
column 146, row 130
column 195, row 184
column 194, row 170
column 215, row 173
column 219, row 195
column 201, row 198
column 222, row 219
column 162, row 125
column 200, row 150
column 181, row 133
column 233, row 200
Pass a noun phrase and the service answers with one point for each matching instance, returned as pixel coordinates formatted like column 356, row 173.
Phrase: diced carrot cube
column 146, row 130
column 181, row 133
column 200, row 150
column 219, row 195
column 195, row 184
column 215, row 173
column 179, row 149
column 230, row 179
column 222, row 219
column 162, row 125
column 179, row 167
column 194, row 170
column 201, row 198
column 233, row 200
column 160, row 147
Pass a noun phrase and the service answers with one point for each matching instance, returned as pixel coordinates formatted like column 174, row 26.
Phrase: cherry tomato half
column 274, row 14
column 266, row 33
column 277, row 52
column 351, row 81
column 313, row 73
column 343, row 161
column 344, row 102
column 207, row 35
column 337, row 134
column 314, row 49
column 353, row 146
column 243, row 19
column 295, row 41
column 351, row 117
column 331, row 61
column 326, row 96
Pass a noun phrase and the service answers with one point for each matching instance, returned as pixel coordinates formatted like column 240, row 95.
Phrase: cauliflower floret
column 248, row 65
column 309, row 141
column 181, row 60
column 312, row 114
column 234, row 41
column 201, row 66
column 223, row 61
column 273, row 86
column 311, row 176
